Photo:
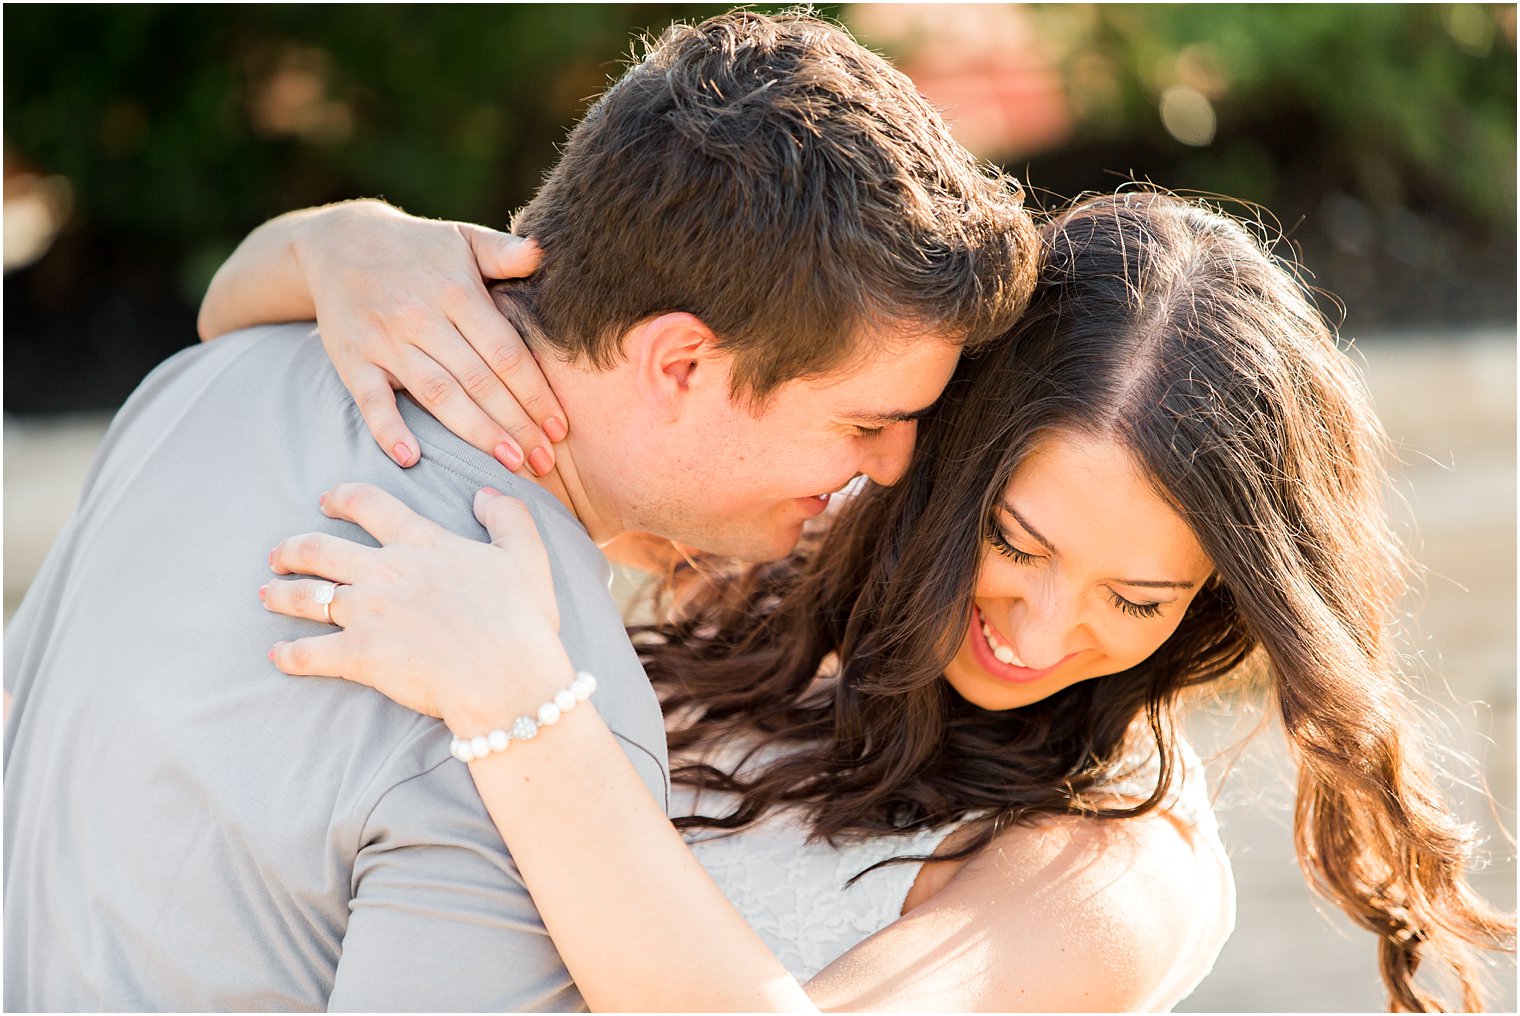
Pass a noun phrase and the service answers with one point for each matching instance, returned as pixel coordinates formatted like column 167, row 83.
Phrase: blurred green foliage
column 1408, row 98
column 179, row 128
column 194, row 123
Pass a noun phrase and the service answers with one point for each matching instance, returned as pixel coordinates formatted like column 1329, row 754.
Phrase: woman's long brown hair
column 1164, row 325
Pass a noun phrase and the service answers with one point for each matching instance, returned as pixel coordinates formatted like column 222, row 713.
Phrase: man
column 761, row 254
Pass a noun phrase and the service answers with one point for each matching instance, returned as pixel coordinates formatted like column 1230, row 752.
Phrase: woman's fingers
column 500, row 255
column 379, row 514
column 488, row 349
column 513, row 532
column 375, row 396
column 508, row 383
column 401, row 302
column 330, row 557
column 507, row 520
column 341, row 655
column 316, row 656
column 438, row 391
column 312, row 599
column 494, row 606
column 504, row 256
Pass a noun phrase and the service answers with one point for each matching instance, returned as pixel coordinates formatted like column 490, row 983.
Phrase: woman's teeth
column 1000, row 652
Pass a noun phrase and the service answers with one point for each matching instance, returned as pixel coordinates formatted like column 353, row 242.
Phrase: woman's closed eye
column 1005, row 547
column 1132, row 608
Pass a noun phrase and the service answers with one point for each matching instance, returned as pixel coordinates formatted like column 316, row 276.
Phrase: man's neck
column 574, row 479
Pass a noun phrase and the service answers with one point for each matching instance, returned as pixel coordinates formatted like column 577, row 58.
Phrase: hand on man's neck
column 574, row 486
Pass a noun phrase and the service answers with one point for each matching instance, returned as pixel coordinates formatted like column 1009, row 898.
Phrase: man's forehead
column 898, row 383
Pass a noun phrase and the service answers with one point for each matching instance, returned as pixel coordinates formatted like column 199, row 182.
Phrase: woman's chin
column 986, row 691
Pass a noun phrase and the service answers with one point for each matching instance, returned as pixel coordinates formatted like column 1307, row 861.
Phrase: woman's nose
column 1040, row 629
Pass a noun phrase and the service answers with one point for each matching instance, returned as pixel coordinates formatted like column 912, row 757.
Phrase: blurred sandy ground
column 1449, row 404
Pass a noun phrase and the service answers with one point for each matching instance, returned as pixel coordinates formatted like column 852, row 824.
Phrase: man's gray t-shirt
column 186, row 828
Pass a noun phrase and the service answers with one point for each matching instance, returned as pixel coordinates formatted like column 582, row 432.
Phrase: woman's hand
column 401, row 302
column 464, row 631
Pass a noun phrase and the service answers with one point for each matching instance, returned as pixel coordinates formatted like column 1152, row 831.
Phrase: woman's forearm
column 261, row 283
column 467, row 631
column 640, row 924
column 264, row 281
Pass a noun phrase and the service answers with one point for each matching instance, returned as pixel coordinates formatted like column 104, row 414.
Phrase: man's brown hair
column 777, row 180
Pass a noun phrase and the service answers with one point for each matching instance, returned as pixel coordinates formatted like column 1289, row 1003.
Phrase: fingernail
column 403, row 455
column 263, row 593
column 271, row 559
column 541, row 461
column 509, row 455
column 490, row 490
column 555, row 428
column 323, row 499
column 271, row 651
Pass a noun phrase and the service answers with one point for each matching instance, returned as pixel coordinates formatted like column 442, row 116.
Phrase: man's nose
column 890, row 452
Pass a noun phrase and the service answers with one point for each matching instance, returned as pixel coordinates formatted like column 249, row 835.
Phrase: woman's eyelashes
column 1134, row 609
column 1005, row 547
column 1001, row 544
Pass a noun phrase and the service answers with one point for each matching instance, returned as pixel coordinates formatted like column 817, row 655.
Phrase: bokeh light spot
column 1188, row 115
column 36, row 208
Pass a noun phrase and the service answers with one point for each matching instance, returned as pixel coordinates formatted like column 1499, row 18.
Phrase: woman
column 1166, row 470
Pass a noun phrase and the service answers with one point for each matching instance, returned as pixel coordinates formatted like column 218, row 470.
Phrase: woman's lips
column 998, row 659
column 1003, row 653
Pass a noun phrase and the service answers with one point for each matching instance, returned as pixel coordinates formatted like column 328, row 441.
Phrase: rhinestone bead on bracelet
column 525, row 728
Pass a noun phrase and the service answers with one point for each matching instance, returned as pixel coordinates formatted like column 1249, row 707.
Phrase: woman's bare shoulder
column 1119, row 860
column 1124, row 899
column 1069, row 913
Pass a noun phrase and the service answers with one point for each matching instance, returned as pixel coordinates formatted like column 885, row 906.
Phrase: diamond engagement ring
column 324, row 596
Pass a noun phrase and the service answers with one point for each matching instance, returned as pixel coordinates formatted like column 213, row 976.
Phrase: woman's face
column 1086, row 572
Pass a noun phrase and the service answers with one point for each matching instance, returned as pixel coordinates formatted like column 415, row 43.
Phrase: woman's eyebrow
column 1031, row 530
column 1140, row 583
column 1153, row 584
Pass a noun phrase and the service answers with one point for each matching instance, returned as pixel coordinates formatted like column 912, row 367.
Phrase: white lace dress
column 794, row 893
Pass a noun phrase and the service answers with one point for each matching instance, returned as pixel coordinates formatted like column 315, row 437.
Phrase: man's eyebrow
column 1141, row 583
column 895, row 416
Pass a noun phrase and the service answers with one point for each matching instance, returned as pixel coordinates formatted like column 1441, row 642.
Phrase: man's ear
column 675, row 357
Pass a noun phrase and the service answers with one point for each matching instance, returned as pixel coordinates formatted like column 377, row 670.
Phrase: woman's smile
column 999, row 659
column 1079, row 545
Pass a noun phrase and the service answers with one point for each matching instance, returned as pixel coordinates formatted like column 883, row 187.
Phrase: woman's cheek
column 1139, row 646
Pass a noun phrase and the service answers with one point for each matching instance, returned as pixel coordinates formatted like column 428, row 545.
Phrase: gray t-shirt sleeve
column 439, row 918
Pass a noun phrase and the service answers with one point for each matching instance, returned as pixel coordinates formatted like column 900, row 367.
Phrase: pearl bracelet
column 525, row 728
